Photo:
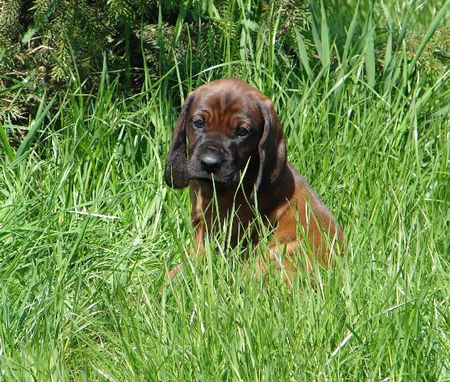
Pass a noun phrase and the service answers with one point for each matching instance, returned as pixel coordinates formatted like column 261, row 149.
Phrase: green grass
column 88, row 227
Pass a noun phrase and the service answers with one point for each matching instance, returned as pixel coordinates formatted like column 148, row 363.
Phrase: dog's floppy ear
column 272, row 148
column 176, row 163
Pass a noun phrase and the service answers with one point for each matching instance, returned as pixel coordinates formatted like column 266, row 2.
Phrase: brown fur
column 207, row 145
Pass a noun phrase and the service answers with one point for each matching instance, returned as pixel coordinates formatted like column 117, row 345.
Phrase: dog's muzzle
column 212, row 162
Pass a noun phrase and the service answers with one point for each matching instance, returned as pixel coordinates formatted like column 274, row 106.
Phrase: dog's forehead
column 227, row 97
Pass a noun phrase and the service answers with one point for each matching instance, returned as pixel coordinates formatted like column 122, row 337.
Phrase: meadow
column 88, row 226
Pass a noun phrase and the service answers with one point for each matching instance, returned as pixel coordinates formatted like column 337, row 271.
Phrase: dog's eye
column 242, row 131
column 198, row 124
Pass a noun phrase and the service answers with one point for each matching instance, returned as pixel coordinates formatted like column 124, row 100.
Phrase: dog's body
column 237, row 149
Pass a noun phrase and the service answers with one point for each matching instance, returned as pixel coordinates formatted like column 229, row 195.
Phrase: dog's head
column 229, row 126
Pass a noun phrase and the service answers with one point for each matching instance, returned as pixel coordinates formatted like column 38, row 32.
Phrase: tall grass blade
column 404, row 27
column 370, row 53
column 40, row 115
column 273, row 30
column 388, row 48
column 321, row 41
column 302, row 53
column 390, row 59
column 4, row 139
column 324, row 36
column 350, row 34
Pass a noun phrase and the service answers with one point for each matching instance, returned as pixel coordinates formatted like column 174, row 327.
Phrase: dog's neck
column 205, row 194
column 212, row 205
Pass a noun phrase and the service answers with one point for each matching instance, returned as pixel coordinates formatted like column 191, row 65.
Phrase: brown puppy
column 235, row 140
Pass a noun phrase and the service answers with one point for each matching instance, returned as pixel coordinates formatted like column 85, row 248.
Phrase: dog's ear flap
column 175, row 173
column 272, row 147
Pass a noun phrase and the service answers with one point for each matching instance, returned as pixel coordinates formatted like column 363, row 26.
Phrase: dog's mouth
column 229, row 180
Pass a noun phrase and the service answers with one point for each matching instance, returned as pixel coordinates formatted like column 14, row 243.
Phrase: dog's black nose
column 211, row 162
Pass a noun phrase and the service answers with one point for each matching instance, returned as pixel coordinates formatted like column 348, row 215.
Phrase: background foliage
column 48, row 44
column 90, row 92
